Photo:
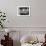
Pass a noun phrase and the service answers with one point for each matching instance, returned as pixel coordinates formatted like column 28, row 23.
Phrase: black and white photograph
column 23, row 11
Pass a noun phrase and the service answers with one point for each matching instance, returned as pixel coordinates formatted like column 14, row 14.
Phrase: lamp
column 7, row 31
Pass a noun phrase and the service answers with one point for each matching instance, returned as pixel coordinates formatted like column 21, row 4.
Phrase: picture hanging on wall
column 23, row 11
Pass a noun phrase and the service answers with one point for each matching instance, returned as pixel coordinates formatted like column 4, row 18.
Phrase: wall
column 38, row 13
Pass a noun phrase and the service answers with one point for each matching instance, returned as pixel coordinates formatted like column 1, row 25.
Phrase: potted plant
column 2, row 19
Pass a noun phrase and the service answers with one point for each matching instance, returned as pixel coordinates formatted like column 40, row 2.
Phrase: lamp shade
column 7, row 30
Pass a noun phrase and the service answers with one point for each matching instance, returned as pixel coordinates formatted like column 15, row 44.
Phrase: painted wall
column 38, row 13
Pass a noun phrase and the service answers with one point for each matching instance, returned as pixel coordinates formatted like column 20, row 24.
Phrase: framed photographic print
column 23, row 11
